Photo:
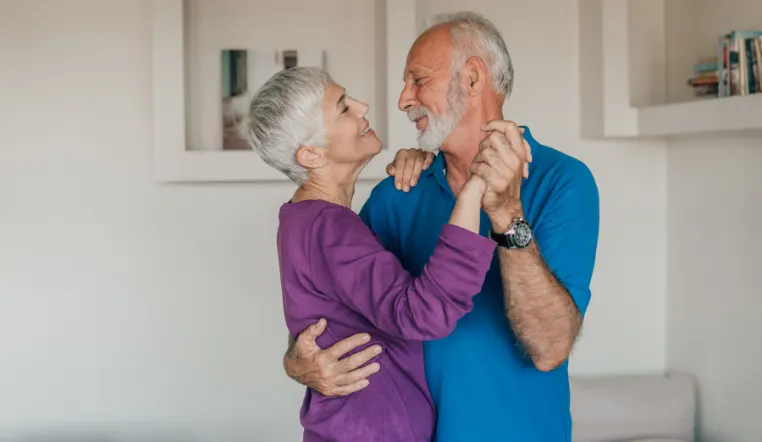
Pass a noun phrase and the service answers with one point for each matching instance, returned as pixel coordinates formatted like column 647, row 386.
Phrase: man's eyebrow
column 415, row 71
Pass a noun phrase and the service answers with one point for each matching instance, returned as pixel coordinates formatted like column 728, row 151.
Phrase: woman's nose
column 363, row 108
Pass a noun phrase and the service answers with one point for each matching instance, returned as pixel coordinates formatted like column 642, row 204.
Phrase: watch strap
column 501, row 239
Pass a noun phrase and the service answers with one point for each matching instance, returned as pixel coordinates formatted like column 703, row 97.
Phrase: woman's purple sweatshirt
column 332, row 266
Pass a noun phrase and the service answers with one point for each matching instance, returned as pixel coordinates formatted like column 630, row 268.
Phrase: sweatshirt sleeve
column 350, row 263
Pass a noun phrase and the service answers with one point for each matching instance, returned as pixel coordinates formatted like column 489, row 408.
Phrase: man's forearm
column 289, row 356
column 540, row 311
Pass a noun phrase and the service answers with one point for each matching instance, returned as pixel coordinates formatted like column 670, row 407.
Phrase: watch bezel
column 520, row 224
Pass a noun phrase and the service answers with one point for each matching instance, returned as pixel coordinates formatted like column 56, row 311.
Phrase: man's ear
column 310, row 157
column 476, row 75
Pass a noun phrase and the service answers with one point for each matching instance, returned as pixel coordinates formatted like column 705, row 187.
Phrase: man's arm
column 541, row 312
column 546, row 292
column 327, row 371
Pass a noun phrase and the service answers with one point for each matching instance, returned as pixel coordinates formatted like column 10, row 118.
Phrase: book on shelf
column 705, row 82
column 741, row 52
column 735, row 70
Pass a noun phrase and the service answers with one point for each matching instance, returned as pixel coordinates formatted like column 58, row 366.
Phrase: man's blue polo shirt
column 483, row 388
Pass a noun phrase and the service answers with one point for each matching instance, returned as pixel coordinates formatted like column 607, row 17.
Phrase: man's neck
column 463, row 144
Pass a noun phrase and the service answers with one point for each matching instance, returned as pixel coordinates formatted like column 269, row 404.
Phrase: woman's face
column 350, row 138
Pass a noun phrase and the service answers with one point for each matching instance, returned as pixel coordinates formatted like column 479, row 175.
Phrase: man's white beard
column 440, row 126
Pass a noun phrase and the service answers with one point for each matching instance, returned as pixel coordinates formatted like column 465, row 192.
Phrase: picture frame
column 174, row 162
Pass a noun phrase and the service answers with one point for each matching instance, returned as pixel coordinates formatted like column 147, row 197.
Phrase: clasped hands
column 502, row 161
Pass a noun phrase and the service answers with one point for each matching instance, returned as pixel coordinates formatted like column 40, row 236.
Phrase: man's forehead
column 429, row 52
column 431, row 49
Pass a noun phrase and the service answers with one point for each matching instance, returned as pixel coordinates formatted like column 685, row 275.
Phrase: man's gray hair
column 474, row 35
column 285, row 114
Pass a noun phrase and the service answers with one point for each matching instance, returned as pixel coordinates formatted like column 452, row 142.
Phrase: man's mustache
column 416, row 113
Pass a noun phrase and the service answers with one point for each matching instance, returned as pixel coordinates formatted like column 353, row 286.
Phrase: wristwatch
column 518, row 236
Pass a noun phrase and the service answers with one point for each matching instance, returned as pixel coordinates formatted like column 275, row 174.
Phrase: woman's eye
column 346, row 108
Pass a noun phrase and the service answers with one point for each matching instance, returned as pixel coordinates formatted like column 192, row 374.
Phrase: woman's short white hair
column 474, row 35
column 285, row 114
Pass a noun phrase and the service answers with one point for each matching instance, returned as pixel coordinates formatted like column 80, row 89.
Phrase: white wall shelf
column 624, row 47
column 738, row 113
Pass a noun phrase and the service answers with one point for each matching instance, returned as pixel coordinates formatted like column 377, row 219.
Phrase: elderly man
column 502, row 373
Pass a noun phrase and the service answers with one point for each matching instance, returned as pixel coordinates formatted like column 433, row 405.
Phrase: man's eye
column 418, row 80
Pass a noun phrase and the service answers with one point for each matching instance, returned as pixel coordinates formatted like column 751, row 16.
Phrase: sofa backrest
column 621, row 408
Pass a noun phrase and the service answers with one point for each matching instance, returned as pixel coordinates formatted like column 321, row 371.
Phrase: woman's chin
column 371, row 154
column 377, row 148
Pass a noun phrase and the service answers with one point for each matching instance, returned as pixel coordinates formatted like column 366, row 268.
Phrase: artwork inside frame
column 242, row 73
column 235, row 97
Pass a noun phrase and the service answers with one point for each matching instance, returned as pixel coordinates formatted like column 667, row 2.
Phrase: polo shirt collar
column 438, row 167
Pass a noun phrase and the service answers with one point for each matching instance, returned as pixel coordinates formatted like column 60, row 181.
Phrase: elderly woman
column 332, row 266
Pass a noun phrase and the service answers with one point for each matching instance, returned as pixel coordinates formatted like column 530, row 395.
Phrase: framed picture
column 201, row 91
column 242, row 72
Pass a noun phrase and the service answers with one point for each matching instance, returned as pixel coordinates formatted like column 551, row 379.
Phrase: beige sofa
column 638, row 408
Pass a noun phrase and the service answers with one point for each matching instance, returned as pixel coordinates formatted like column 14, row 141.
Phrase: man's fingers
column 516, row 141
column 512, row 132
column 358, row 359
column 502, row 126
column 528, row 149
column 357, row 375
column 311, row 333
column 528, row 152
column 390, row 169
column 518, row 145
column 349, row 389
column 500, row 143
column 484, row 170
column 346, row 345
column 492, row 157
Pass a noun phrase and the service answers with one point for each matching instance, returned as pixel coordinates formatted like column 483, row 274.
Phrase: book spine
column 751, row 64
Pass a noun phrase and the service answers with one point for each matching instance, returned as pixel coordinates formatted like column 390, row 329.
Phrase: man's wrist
column 502, row 218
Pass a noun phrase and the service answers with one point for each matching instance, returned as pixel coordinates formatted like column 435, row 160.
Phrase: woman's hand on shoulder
column 407, row 166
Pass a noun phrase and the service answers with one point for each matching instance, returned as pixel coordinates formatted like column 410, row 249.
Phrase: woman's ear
column 310, row 157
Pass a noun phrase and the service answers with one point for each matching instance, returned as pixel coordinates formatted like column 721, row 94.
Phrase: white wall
column 715, row 253
column 129, row 304
column 714, row 302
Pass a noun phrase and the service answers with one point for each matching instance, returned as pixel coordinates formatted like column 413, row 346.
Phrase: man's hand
column 407, row 166
column 503, row 160
column 322, row 370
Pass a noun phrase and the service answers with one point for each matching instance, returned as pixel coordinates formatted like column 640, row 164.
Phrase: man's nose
column 407, row 98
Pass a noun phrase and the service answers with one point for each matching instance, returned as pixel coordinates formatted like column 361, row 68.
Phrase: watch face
column 522, row 235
